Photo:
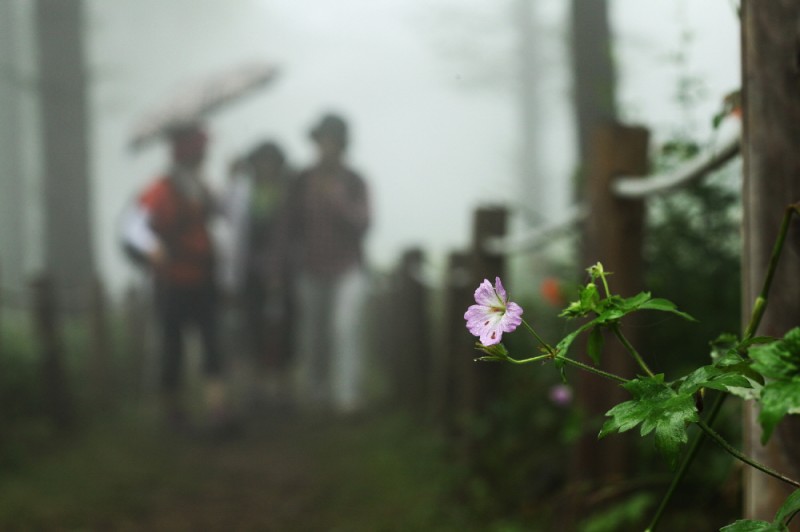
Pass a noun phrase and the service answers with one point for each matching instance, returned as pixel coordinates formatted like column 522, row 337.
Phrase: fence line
column 692, row 170
column 534, row 238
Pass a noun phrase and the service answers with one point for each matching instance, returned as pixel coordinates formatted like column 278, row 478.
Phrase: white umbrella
column 201, row 99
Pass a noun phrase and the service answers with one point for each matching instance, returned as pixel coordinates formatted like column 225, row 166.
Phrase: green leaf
column 744, row 525
column 659, row 409
column 595, row 345
column 777, row 399
column 789, row 507
column 715, row 378
column 782, row 517
column 779, row 359
column 588, row 300
column 664, row 305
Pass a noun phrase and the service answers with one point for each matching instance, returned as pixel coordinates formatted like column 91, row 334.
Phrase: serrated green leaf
column 777, row 399
column 780, row 359
column 744, row 525
column 659, row 409
column 595, row 345
column 664, row 305
column 715, row 378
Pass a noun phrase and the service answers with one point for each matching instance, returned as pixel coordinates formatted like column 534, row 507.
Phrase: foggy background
column 432, row 91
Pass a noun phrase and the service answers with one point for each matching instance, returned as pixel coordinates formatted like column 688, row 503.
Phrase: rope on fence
column 536, row 237
column 692, row 170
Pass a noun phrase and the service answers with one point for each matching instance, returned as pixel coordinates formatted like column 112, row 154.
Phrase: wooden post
column 101, row 346
column 57, row 399
column 135, row 351
column 413, row 363
column 771, row 151
column 482, row 380
column 613, row 235
column 456, row 357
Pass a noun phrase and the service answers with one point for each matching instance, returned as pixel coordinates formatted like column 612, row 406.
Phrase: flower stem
column 547, row 347
column 632, row 350
column 528, row 360
column 736, row 453
column 591, row 369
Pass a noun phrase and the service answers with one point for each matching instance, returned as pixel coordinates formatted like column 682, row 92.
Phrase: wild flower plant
column 763, row 369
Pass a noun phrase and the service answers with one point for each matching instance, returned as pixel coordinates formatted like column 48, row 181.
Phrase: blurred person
column 258, row 273
column 329, row 214
column 168, row 229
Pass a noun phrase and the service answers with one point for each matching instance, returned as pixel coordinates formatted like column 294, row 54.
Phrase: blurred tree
column 771, row 150
column 12, row 235
column 592, row 69
column 63, row 110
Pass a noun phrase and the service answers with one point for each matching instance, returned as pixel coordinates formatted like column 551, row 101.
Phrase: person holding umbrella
column 168, row 228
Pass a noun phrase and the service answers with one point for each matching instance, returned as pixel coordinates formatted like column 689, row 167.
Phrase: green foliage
column 780, row 362
column 621, row 516
column 785, row 513
column 658, row 408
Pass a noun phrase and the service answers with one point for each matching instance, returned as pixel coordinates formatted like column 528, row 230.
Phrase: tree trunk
column 593, row 70
column 771, row 151
column 67, row 228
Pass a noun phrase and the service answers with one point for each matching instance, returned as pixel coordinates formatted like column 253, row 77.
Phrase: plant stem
column 528, row 360
column 688, row 458
column 631, row 350
column 736, row 453
column 760, row 304
column 591, row 369
column 547, row 347
column 755, row 319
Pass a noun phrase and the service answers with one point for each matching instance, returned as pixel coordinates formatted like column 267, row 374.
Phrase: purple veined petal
column 485, row 325
column 509, row 322
column 491, row 336
column 485, row 294
column 500, row 291
column 512, row 309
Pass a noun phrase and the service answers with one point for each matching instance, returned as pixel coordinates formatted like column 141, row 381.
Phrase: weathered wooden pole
column 100, row 346
column 613, row 235
column 135, row 343
column 413, row 365
column 455, row 358
column 57, row 399
column 483, row 379
column 771, row 151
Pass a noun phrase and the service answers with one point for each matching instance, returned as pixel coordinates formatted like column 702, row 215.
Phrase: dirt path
column 280, row 474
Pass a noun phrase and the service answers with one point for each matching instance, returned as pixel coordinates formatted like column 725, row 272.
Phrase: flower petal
column 500, row 291
column 485, row 294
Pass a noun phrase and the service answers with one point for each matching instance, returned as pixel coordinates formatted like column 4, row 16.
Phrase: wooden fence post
column 455, row 359
column 135, row 341
column 770, row 73
column 482, row 380
column 57, row 399
column 100, row 367
column 412, row 365
column 613, row 235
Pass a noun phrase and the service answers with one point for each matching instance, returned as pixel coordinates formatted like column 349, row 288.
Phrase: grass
column 382, row 474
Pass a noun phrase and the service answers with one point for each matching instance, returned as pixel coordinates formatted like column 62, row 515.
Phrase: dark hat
column 188, row 141
column 331, row 125
column 267, row 150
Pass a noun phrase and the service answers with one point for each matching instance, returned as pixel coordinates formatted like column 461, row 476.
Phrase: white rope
column 536, row 237
column 692, row 170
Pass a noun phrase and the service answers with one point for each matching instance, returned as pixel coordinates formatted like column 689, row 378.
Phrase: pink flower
column 494, row 314
column 560, row 394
